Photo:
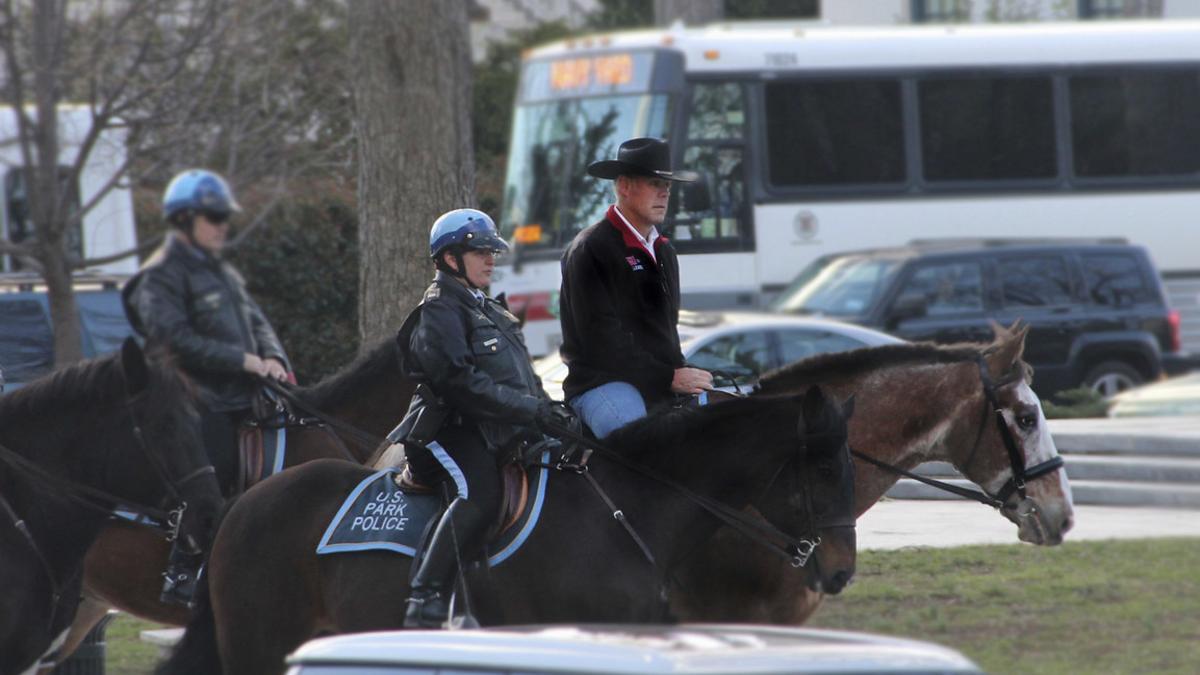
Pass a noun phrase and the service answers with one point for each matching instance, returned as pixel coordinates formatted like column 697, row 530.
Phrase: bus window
column 1136, row 123
column 718, row 112
column 822, row 133
column 987, row 128
column 715, row 149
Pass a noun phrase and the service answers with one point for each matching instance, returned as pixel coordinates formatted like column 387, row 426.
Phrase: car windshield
column 843, row 286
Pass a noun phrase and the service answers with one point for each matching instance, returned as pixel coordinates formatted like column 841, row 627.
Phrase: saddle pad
column 379, row 516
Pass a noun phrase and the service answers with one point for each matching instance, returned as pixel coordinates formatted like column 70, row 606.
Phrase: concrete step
column 1105, row 467
column 1108, row 493
column 1174, row 436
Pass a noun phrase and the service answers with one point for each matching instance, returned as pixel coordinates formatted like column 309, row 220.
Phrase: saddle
column 258, row 453
column 514, row 494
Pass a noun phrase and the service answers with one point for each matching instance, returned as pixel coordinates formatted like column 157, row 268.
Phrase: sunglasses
column 217, row 218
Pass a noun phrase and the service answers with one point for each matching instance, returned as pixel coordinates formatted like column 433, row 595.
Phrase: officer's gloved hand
column 553, row 416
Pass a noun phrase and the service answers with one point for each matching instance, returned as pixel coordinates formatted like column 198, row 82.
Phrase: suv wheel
column 1112, row 377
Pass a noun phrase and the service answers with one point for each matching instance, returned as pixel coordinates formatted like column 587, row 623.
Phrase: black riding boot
column 462, row 525
column 179, row 580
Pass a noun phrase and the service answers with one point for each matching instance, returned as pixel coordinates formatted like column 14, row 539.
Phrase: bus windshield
column 548, row 194
column 844, row 286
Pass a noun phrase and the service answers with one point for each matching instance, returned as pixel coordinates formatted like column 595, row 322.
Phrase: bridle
column 1021, row 474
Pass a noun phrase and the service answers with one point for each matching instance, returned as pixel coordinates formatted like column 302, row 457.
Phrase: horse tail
column 196, row 652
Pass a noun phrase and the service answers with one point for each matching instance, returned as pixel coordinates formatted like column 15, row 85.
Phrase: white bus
column 815, row 139
column 108, row 227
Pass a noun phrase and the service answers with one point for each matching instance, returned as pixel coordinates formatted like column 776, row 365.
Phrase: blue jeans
column 609, row 407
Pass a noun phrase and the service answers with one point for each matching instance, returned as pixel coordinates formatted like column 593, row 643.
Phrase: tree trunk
column 691, row 12
column 412, row 92
column 46, row 193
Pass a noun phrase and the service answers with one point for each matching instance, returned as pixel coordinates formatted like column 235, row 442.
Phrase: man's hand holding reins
column 691, row 381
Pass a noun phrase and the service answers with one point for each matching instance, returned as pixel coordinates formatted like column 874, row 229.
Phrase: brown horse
column 124, row 566
column 268, row 590
column 913, row 403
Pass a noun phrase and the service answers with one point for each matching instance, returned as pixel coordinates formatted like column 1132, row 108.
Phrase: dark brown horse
column 125, row 564
column 913, row 404
column 268, row 591
column 113, row 432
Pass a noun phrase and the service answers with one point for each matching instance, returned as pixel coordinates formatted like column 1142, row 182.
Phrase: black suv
column 1096, row 309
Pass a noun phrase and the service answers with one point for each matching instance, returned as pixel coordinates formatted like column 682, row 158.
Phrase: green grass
column 126, row 654
column 1129, row 606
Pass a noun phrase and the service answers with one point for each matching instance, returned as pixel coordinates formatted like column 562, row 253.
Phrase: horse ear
column 1008, row 347
column 848, row 407
column 813, row 403
column 133, row 364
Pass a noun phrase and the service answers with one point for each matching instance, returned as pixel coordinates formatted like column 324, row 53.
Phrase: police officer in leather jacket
column 481, row 397
column 188, row 299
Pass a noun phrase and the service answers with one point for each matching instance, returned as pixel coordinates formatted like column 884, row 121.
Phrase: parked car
column 1097, row 312
column 26, row 333
column 738, row 347
column 639, row 649
column 1176, row 396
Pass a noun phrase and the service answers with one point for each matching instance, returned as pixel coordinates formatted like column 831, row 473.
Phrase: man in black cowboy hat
column 619, row 300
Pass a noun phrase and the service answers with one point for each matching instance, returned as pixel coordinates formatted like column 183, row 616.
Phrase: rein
column 1020, row 473
column 323, row 420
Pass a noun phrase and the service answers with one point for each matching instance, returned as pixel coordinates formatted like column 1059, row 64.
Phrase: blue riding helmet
column 200, row 191
column 472, row 228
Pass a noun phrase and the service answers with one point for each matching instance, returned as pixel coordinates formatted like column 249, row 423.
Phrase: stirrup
column 178, row 589
column 427, row 611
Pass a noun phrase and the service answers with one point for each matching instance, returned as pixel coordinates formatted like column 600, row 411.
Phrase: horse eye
column 1027, row 422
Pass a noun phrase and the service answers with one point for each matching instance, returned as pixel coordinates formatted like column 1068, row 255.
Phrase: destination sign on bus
column 587, row 75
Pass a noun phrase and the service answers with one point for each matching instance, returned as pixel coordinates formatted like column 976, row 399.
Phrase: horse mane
column 675, row 437
column 825, row 367
column 351, row 378
column 95, row 384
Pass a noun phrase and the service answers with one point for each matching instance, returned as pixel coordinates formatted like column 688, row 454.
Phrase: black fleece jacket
column 619, row 308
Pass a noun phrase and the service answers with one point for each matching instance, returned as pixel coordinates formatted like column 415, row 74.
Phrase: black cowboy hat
column 641, row 157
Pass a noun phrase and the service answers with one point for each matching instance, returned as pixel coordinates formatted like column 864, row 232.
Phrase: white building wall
column 884, row 12
column 504, row 17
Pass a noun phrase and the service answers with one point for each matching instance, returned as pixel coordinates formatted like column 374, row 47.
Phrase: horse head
column 1014, row 458
column 815, row 489
column 171, row 464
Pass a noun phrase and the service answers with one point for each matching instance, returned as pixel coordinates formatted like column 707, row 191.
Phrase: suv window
column 947, row 288
column 1115, row 280
column 843, row 286
column 1035, row 281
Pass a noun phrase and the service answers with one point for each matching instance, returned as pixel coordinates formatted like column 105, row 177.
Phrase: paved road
column 900, row 523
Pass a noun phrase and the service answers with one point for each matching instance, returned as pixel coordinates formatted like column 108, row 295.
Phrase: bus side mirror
column 907, row 306
column 696, row 197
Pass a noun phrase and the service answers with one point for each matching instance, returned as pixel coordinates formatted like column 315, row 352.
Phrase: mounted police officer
column 479, row 397
column 190, row 300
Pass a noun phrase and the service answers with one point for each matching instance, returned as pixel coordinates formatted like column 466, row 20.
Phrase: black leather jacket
column 197, row 305
column 474, row 358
